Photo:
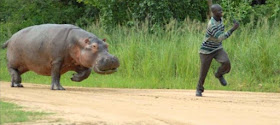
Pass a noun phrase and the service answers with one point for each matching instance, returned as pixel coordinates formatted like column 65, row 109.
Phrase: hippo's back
column 36, row 47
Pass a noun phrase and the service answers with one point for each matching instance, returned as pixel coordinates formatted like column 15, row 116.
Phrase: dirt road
column 146, row 107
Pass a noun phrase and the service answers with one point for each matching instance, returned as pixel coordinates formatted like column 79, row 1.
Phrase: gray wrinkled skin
column 53, row 49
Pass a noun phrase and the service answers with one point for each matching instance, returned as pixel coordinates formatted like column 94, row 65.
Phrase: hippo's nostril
column 113, row 61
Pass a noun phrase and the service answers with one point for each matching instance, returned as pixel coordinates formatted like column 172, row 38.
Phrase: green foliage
column 156, row 12
column 243, row 11
column 11, row 113
column 113, row 12
column 169, row 58
column 15, row 15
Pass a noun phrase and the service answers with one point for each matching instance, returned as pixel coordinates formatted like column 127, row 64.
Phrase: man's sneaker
column 222, row 81
column 198, row 93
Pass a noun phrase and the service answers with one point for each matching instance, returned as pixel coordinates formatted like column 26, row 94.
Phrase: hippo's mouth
column 97, row 70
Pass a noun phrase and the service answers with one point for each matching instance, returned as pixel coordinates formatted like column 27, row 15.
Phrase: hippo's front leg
column 82, row 73
column 56, row 66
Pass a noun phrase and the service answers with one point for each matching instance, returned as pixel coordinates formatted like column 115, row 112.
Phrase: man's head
column 217, row 11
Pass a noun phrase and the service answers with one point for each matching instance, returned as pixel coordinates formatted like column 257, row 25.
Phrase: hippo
column 54, row 49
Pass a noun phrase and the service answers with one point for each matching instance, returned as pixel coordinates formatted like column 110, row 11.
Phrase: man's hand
column 235, row 25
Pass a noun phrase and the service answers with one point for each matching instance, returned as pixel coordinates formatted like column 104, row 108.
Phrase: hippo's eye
column 94, row 45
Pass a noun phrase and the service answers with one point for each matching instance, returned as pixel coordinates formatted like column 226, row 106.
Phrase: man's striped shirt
column 214, row 36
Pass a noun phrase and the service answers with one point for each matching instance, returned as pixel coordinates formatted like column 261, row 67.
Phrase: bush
column 124, row 12
column 16, row 15
column 115, row 12
column 246, row 12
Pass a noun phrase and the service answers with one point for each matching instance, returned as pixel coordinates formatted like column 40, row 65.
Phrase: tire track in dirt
column 145, row 106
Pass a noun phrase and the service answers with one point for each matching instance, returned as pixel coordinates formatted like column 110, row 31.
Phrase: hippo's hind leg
column 55, row 72
column 16, row 78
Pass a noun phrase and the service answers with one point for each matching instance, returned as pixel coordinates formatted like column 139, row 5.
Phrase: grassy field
column 11, row 113
column 167, row 57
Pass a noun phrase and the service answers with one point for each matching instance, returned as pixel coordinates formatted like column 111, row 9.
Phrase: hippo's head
column 93, row 53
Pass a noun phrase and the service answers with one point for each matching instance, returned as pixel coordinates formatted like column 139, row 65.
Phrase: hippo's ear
column 104, row 40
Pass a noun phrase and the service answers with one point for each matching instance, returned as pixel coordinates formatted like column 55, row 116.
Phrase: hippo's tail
column 5, row 45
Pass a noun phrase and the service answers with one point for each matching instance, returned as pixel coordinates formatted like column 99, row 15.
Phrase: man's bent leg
column 225, row 67
column 205, row 60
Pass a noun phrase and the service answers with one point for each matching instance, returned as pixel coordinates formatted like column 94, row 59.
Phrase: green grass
column 11, row 113
column 168, row 57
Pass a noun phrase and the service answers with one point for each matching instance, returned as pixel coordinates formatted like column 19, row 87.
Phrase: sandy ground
column 145, row 106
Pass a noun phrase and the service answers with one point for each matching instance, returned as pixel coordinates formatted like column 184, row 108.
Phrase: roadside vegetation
column 168, row 58
column 11, row 113
column 163, row 53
